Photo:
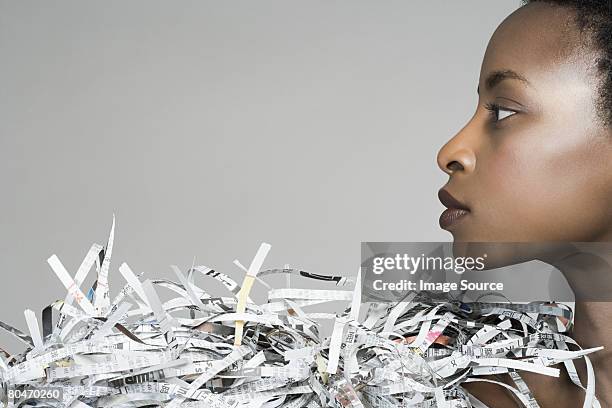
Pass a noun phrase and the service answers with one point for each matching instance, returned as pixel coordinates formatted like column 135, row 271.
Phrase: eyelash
column 494, row 109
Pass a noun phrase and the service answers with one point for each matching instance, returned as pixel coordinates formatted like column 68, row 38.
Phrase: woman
column 534, row 163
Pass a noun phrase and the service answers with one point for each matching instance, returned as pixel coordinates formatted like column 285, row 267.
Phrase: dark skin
column 539, row 168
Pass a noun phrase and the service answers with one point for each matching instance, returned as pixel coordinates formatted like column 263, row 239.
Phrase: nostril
column 454, row 166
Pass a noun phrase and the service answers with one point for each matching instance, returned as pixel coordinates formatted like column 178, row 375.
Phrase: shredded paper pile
column 135, row 350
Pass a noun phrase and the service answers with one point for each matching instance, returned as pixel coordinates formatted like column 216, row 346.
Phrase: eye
column 499, row 112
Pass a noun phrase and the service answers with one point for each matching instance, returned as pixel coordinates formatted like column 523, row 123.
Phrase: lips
column 455, row 209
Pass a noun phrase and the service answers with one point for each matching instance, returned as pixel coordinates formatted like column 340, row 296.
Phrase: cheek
column 547, row 184
column 513, row 176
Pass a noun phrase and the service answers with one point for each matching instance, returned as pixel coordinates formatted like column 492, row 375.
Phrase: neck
column 588, row 270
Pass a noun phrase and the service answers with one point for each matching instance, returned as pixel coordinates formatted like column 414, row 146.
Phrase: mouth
column 455, row 210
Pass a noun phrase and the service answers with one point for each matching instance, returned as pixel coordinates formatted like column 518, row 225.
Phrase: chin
column 462, row 232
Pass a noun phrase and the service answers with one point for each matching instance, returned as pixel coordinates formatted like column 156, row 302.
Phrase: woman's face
column 534, row 163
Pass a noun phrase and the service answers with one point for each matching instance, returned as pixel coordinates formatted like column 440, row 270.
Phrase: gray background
column 208, row 127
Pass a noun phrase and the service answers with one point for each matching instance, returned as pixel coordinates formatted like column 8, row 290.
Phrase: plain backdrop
column 208, row 127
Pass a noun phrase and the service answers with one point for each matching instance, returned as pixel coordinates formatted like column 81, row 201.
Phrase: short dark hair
column 594, row 18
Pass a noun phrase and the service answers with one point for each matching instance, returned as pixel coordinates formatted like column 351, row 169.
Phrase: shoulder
column 556, row 392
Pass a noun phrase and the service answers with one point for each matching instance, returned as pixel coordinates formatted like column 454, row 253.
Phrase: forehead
column 535, row 39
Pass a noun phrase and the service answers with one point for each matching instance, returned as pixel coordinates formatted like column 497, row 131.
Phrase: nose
column 458, row 154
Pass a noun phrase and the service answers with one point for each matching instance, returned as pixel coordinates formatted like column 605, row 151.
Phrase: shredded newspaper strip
column 134, row 351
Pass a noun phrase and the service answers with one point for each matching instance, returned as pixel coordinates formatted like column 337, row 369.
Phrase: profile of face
column 534, row 163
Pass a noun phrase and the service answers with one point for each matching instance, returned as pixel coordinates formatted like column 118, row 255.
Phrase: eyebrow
column 495, row 77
